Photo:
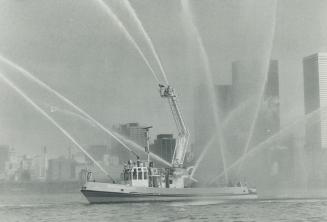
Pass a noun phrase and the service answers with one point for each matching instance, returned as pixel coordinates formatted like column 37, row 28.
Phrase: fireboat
column 143, row 181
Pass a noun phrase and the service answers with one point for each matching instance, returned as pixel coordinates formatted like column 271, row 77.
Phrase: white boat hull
column 96, row 192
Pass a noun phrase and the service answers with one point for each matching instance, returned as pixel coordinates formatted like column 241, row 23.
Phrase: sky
column 76, row 48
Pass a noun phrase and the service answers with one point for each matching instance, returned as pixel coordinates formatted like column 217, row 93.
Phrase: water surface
column 73, row 207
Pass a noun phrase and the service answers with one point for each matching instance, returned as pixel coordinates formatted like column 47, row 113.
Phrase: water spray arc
column 54, row 109
column 263, row 87
column 203, row 153
column 261, row 145
column 118, row 22
column 63, row 98
column 121, row 137
column 139, row 24
column 188, row 19
column 55, row 123
column 152, row 155
column 87, row 116
column 210, row 142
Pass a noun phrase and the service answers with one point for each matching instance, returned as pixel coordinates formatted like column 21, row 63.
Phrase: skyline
column 30, row 41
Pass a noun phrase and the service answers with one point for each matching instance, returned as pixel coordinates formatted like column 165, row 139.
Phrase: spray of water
column 313, row 116
column 262, row 89
column 63, row 98
column 230, row 116
column 202, row 155
column 139, row 24
column 121, row 26
column 137, row 146
column 121, row 137
column 236, row 112
column 190, row 24
column 70, row 113
column 45, row 114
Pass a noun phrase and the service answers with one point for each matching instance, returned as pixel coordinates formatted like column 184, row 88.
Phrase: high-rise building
column 248, row 82
column 255, row 98
column 315, row 97
column 132, row 131
column 204, row 124
column 43, row 163
column 164, row 146
column 98, row 151
column 225, row 99
column 248, row 79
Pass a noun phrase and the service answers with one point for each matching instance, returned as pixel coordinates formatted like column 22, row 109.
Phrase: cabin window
column 126, row 175
column 170, row 181
column 134, row 174
column 140, row 175
column 145, row 175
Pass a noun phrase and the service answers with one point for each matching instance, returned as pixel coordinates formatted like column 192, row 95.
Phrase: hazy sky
column 73, row 46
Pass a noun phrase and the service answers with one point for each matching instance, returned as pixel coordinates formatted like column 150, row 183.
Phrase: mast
column 147, row 148
column 183, row 133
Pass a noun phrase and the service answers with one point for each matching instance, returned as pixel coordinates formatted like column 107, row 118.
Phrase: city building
column 98, row 151
column 13, row 166
column 61, row 169
column 256, row 97
column 225, row 99
column 131, row 131
column 315, row 97
column 134, row 132
column 43, row 164
column 164, row 146
column 204, row 124
column 4, row 157
column 248, row 82
column 237, row 103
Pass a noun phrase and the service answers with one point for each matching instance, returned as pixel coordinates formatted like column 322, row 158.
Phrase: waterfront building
column 225, row 99
column 43, row 164
column 204, row 124
column 164, row 146
column 61, row 169
column 13, row 166
column 132, row 131
column 315, row 97
column 98, row 151
column 4, row 157
column 248, row 82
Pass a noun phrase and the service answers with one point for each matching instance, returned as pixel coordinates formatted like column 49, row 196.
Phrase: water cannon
column 166, row 91
column 147, row 141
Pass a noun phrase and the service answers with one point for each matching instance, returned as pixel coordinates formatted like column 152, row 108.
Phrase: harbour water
column 73, row 207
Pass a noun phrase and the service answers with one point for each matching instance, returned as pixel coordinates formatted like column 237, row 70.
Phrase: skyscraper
column 315, row 97
column 255, row 114
column 164, row 146
column 248, row 80
column 132, row 131
column 225, row 99
column 98, row 151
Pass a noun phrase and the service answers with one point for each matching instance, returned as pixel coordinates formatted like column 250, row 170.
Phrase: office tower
column 164, row 146
column 315, row 97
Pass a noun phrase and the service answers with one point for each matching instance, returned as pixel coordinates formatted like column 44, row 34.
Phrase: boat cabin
column 139, row 175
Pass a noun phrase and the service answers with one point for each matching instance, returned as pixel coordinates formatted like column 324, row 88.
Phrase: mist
column 236, row 67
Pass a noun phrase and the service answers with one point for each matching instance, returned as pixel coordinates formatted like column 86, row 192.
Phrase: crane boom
column 183, row 133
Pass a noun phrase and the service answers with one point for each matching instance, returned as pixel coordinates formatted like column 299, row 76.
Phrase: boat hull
column 116, row 193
